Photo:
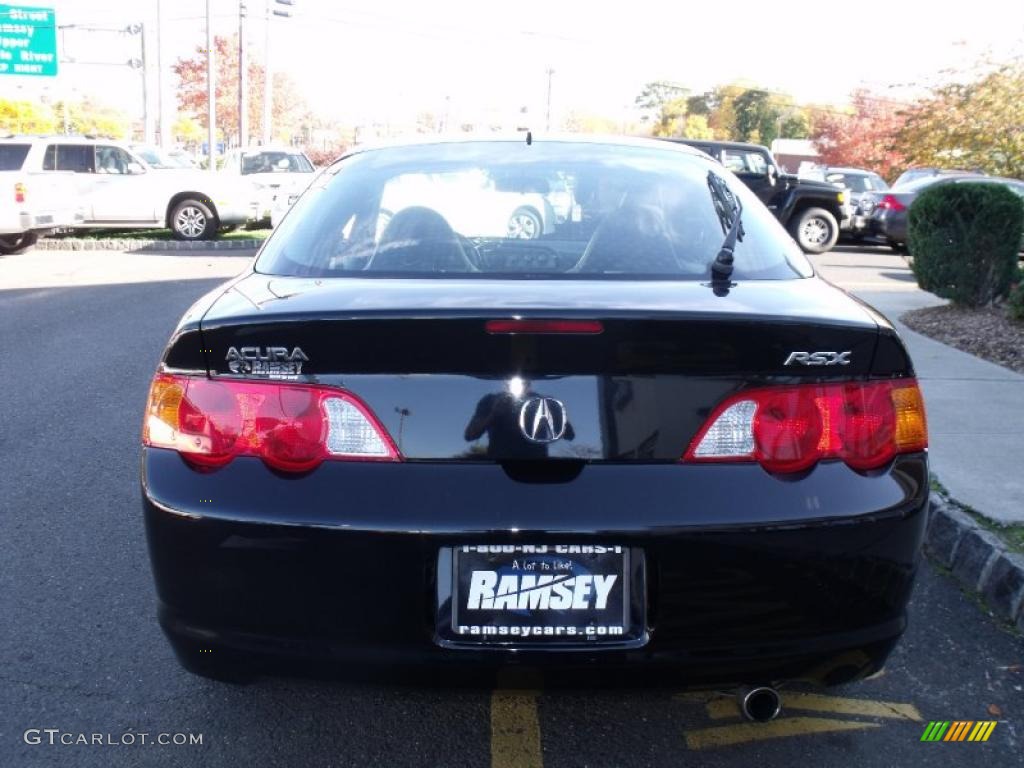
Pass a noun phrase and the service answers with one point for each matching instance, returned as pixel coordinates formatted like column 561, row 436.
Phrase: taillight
column 291, row 427
column 516, row 325
column 790, row 429
column 890, row 203
column 19, row 192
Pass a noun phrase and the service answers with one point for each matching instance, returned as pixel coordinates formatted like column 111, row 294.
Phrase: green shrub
column 964, row 239
column 1016, row 299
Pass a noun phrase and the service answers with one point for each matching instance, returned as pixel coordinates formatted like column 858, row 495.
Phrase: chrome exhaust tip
column 759, row 704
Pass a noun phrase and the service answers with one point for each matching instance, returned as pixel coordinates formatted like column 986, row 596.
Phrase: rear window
column 12, row 156
column 553, row 210
column 276, row 162
column 79, row 158
column 857, row 182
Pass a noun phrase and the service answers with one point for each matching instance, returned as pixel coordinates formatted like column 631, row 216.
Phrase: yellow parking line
column 727, row 735
column 841, row 706
column 515, row 730
column 723, row 708
column 726, row 707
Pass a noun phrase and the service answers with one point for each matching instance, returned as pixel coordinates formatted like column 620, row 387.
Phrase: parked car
column 858, row 183
column 162, row 159
column 271, row 171
column 32, row 203
column 119, row 190
column 888, row 220
column 812, row 211
column 503, row 203
column 653, row 445
column 527, row 206
column 925, row 172
column 284, row 199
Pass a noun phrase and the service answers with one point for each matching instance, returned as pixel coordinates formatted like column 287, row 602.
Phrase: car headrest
column 419, row 239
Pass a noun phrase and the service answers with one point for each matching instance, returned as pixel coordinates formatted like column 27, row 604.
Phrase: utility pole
column 547, row 120
column 268, row 75
column 162, row 131
column 147, row 123
column 211, row 89
column 243, row 80
column 268, row 83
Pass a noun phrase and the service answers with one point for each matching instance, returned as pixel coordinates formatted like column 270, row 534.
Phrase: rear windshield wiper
column 729, row 210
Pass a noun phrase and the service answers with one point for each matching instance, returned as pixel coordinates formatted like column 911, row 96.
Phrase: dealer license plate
column 543, row 593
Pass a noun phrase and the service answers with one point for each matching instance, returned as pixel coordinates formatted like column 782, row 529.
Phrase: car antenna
column 529, row 138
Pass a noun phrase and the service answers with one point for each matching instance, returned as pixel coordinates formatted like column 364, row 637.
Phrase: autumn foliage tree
column 863, row 137
column 976, row 123
column 288, row 106
column 733, row 112
column 85, row 116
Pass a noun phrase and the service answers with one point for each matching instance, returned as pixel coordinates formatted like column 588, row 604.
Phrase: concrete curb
column 978, row 558
column 131, row 244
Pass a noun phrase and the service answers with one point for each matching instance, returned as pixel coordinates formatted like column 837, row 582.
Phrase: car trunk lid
column 654, row 360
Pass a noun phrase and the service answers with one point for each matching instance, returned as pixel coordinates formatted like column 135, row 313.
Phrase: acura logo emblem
column 542, row 419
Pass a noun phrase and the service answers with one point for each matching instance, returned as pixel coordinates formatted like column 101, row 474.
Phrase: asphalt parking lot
column 81, row 652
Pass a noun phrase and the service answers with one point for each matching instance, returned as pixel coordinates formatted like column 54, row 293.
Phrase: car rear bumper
column 889, row 227
column 748, row 578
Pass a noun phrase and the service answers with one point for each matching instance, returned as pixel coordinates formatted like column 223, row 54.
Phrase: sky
column 358, row 61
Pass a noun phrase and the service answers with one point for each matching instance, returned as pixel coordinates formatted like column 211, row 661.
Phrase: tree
column 578, row 121
column 86, row 116
column 862, row 136
column 699, row 104
column 288, row 105
column 188, row 130
column 757, row 118
column 977, row 124
column 795, row 125
column 696, row 127
column 653, row 96
column 722, row 117
column 95, row 119
column 26, row 117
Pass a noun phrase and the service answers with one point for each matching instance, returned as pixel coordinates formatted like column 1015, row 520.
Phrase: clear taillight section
column 790, row 429
column 292, row 427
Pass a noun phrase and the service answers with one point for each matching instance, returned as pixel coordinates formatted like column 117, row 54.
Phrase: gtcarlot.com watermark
column 57, row 737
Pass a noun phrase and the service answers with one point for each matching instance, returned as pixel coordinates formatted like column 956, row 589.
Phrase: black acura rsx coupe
column 571, row 404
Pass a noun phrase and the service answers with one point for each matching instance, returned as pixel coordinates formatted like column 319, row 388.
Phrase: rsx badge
column 819, row 358
column 276, row 362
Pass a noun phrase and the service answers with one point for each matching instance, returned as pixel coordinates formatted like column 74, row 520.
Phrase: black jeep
column 812, row 211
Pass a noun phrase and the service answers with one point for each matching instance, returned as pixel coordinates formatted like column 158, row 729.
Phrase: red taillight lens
column 292, row 427
column 545, row 326
column 789, row 429
column 890, row 203
column 19, row 192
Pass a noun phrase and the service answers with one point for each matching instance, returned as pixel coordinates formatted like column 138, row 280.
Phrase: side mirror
column 773, row 174
column 135, row 169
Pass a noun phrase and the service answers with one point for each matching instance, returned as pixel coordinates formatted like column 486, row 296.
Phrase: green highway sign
column 28, row 41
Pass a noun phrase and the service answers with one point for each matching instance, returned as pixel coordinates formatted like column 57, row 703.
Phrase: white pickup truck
column 118, row 190
column 32, row 203
column 274, row 172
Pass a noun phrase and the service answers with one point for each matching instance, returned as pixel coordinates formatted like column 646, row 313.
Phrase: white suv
column 119, row 190
column 32, row 203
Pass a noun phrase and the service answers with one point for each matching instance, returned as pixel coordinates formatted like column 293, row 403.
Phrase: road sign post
column 28, row 41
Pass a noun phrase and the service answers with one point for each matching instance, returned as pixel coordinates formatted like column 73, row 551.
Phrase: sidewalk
column 975, row 408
